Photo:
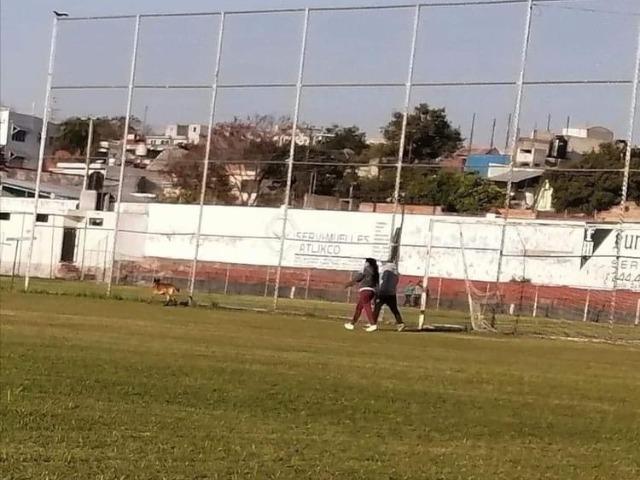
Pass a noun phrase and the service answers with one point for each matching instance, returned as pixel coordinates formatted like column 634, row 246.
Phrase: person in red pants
column 368, row 280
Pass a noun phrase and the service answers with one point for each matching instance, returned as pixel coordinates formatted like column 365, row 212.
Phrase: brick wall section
column 451, row 292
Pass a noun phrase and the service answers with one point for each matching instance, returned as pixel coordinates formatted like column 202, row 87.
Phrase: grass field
column 524, row 326
column 95, row 388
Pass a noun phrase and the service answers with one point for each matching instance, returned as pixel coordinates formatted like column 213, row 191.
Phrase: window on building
column 5, row 216
column 19, row 136
column 42, row 218
column 96, row 222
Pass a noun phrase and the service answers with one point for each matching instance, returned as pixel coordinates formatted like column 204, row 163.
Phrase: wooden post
column 585, row 315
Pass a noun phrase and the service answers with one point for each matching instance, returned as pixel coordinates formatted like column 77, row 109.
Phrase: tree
column 74, row 133
column 590, row 191
column 338, row 138
column 325, row 163
column 429, row 135
column 253, row 159
column 185, row 173
column 456, row 192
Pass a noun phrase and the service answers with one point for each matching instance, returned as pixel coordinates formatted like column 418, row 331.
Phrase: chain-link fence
column 253, row 185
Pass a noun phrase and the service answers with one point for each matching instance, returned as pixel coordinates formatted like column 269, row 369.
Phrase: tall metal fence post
column 625, row 180
column 585, row 313
column 425, row 278
column 43, row 143
column 123, row 159
column 266, row 282
column 405, row 118
column 306, row 287
column 292, row 152
column 226, row 281
column 51, row 252
column 84, row 187
column 514, row 131
column 207, row 153
column 535, row 302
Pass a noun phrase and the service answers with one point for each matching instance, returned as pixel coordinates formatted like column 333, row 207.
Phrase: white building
column 532, row 152
column 20, row 137
column 552, row 253
column 192, row 134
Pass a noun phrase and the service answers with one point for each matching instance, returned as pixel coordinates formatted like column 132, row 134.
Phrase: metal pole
column 43, row 142
column 585, row 314
column 207, row 153
column 514, row 130
column 84, row 187
column 506, row 141
column 548, row 122
column 87, row 156
column 132, row 79
column 266, row 282
column 535, row 303
column 292, row 152
column 515, row 127
column 637, row 321
column 53, row 237
column 493, row 134
column 15, row 260
column 405, row 118
column 439, row 293
column 425, row 278
column 568, row 125
column 625, row 179
column 473, row 128
column 306, row 288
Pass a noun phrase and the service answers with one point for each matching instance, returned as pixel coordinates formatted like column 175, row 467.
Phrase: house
column 458, row 160
column 524, row 184
column 192, row 134
column 533, row 151
column 481, row 163
column 20, row 138
column 581, row 141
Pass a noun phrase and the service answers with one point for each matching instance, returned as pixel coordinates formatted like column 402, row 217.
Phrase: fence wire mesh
column 291, row 116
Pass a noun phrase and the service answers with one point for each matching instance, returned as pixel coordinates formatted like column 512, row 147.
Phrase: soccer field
column 95, row 388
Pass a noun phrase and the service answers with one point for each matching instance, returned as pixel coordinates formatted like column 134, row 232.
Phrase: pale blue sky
column 461, row 43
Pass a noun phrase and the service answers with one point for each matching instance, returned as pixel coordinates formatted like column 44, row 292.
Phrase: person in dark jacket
column 368, row 280
column 387, row 294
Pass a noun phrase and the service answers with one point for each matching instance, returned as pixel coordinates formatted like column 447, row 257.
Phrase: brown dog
column 169, row 291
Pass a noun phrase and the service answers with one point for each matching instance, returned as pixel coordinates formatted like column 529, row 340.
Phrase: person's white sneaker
column 400, row 327
column 371, row 328
column 349, row 326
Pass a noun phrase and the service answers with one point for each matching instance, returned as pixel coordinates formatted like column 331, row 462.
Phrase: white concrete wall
column 48, row 236
column 545, row 253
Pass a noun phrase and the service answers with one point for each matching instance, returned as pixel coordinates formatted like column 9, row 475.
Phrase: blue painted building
column 480, row 163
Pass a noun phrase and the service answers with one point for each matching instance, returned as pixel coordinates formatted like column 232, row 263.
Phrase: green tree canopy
column 74, row 132
column 456, row 192
column 429, row 135
column 587, row 190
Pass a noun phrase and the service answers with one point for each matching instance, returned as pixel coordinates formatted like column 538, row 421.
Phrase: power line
column 590, row 10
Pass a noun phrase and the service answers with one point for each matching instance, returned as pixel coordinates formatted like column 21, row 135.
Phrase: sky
column 468, row 43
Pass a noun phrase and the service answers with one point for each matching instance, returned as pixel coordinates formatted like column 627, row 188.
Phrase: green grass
column 522, row 326
column 95, row 388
